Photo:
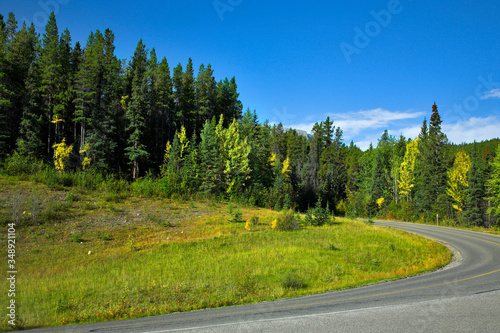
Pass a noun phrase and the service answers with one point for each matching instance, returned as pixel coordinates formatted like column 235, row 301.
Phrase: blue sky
column 369, row 65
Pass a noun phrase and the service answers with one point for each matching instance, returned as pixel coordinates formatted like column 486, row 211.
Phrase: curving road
column 464, row 297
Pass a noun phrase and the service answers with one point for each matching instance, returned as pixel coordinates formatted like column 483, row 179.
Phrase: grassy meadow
column 95, row 255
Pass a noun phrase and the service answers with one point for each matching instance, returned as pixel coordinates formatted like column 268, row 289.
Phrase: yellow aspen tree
column 457, row 180
column 286, row 166
column 406, row 179
column 61, row 154
column 237, row 164
column 183, row 140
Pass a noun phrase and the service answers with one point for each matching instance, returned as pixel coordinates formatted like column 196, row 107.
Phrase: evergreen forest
column 74, row 109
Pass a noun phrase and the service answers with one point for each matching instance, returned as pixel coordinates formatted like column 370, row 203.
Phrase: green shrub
column 237, row 217
column 319, row 216
column 147, row 187
column 76, row 237
column 332, row 247
column 308, row 218
column 18, row 164
column 285, row 221
column 71, row 197
column 293, row 281
column 341, row 208
column 105, row 237
column 88, row 180
column 254, row 220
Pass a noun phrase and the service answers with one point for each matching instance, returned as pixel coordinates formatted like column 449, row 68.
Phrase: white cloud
column 364, row 145
column 471, row 129
column 408, row 132
column 495, row 93
column 302, row 126
column 354, row 123
column 366, row 126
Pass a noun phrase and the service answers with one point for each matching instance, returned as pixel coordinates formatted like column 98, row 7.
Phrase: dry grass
column 155, row 256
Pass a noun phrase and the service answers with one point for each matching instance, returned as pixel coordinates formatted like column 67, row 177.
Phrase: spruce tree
column 431, row 168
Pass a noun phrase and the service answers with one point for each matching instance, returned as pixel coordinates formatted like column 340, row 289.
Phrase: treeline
column 114, row 115
column 83, row 110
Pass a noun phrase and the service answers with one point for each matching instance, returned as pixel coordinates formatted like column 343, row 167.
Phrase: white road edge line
column 271, row 319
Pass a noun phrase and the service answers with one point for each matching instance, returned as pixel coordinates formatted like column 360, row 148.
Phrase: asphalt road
column 463, row 297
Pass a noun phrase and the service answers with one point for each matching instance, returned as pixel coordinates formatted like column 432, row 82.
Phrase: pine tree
column 51, row 68
column 21, row 51
column 178, row 81
column 64, row 109
column 5, row 93
column 188, row 100
column 228, row 103
column 30, row 142
column 209, row 156
column 379, row 185
column 165, row 102
column 135, row 112
column 154, row 146
column 206, row 90
column 474, row 203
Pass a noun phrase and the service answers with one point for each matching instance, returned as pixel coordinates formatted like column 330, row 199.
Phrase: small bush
column 341, row 208
column 71, row 197
column 237, row 217
column 308, row 218
column 318, row 216
column 131, row 243
column 167, row 224
column 286, row 221
column 147, row 187
column 246, row 282
column 76, row 237
column 332, row 247
column 105, row 237
column 18, row 164
column 293, row 281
